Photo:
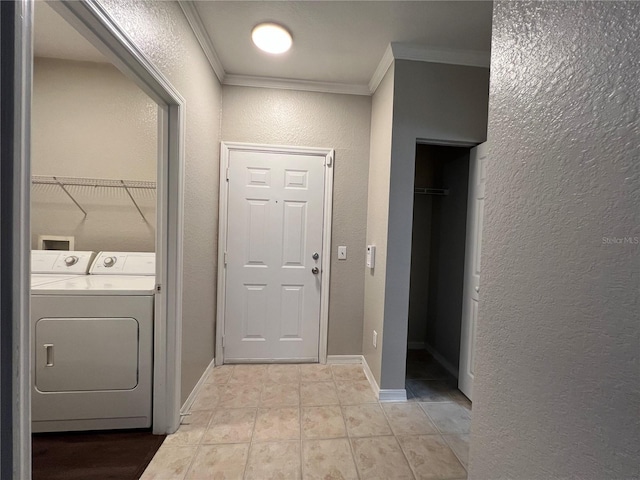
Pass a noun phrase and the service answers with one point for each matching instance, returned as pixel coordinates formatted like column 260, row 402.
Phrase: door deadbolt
column 315, row 256
column 315, row 270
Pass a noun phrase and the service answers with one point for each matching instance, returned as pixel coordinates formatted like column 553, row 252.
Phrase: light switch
column 342, row 253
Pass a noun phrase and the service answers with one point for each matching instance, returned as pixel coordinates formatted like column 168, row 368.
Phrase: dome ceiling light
column 271, row 38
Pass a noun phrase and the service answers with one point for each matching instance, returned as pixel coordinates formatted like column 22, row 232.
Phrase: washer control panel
column 56, row 261
column 124, row 263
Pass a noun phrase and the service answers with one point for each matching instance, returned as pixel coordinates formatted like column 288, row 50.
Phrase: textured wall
column 89, row 120
column 162, row 32
column 435, row 102
column 285, row 117
column 377, row 220
column 558, row 381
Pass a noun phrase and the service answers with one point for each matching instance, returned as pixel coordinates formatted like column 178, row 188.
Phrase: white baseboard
column 194, row 393
column 370, row 377
column 441, row 360
column 392, row 395
column 417, row 345
column 383, row 394
column 341, row 359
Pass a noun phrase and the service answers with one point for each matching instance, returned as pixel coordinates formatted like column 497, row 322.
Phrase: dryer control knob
column 110, row 261
column 71, row 260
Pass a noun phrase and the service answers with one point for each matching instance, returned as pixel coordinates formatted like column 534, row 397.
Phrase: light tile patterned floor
column 314, row 422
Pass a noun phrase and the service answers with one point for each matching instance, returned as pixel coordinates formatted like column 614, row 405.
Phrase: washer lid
column 64, row 262
column 124, row 263
column 112, row 285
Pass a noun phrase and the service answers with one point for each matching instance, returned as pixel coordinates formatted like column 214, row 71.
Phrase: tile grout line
column 253, row 431
column 398, row 442
column 444, row 437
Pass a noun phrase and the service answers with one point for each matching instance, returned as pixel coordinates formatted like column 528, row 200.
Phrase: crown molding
column 419, row 53
column 303, row 85
column 394, row 51
column 381, row 70
column 193, row 17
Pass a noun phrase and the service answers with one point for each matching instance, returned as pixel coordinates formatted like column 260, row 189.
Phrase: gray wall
column 89, row 120
column 431, row 101
column 377, row 220
column 447, row 257
column 287, row 117
column 557, row 387
column 161, row 31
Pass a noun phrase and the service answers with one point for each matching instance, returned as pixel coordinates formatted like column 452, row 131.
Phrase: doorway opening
column 436, row 289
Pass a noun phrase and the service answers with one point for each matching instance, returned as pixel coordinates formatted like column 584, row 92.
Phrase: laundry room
column 93, row 240
column 94, row 148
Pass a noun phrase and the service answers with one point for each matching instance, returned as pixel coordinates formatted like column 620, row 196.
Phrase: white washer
column 48, row 266
column 92, row 359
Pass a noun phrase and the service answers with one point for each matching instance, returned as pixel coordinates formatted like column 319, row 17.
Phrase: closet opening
column 437, row 277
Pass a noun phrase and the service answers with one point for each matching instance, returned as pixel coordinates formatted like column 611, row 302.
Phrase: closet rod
column 431, row 191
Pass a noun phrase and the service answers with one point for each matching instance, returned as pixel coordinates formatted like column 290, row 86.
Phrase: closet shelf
column 430, row 191
column 65, row 182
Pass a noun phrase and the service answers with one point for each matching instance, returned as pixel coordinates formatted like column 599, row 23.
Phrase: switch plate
column 342, row 253
column 375, row 339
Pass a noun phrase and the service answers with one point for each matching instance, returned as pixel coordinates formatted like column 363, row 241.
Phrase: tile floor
column 314, row 422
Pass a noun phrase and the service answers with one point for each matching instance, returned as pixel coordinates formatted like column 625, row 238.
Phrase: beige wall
column 285, row 117
column 161, row 31
column 377, row 220
column 89, row 120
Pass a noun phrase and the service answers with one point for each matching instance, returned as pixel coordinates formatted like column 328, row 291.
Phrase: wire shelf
column 64, row 182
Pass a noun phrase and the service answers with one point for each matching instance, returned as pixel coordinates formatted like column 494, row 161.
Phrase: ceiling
column 53, row 37
column 337, row 43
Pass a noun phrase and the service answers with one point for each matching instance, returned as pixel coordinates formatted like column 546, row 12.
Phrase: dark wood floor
column 120, row 455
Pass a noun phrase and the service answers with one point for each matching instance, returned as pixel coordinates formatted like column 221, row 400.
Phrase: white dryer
column 92, row 358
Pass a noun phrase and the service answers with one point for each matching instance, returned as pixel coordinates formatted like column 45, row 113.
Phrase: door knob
column 477, row 289
column 315, row 270
column 315, row 256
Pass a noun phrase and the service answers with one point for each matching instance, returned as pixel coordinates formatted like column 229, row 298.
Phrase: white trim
column 190, row 11
column 416, row 346
column 392, row 395
column 369, row 374
column 16, row 185
column 186, row 406
column 381, row 70
column 301, row 85
column 329, row 155
column 420, row 53
column 97, row 26
column 441, row 360
column 344, row 359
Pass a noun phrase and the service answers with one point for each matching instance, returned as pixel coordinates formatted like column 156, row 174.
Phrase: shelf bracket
column 61, row 185
column 126, row 189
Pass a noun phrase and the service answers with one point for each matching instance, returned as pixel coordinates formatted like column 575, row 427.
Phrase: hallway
column 313, row 422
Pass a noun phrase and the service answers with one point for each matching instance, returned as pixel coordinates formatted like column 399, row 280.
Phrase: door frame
column 328, row 155
column 102, row 30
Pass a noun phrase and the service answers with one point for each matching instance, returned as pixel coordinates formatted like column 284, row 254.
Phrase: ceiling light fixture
column 271, row 38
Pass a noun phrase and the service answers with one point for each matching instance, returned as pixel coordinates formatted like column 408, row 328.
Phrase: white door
column 274, row 257
column 471, row 292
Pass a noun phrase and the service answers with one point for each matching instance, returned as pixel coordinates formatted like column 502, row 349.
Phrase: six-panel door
column 274, row 231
